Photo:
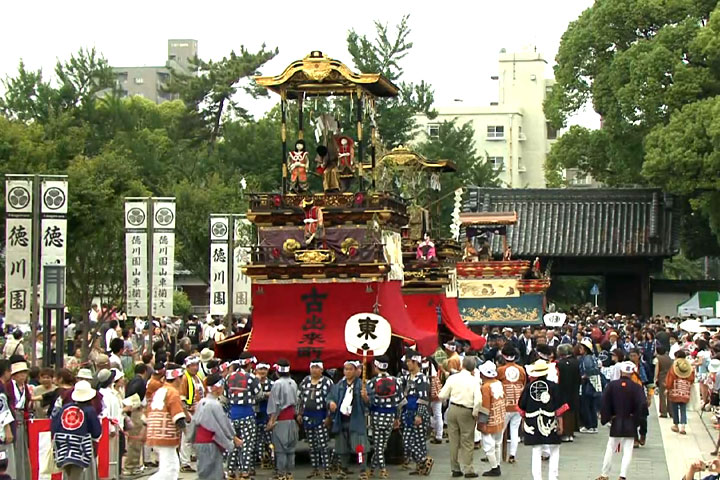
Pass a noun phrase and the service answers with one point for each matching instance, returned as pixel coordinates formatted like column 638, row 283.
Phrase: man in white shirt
column 110, row 334
column 93, row 313
column 463, row 392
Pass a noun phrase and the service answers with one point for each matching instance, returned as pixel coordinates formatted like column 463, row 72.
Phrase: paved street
column 580, row 460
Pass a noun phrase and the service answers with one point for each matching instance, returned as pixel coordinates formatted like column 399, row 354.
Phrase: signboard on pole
column 136, row 256
column 53, row 225
column 18, row 253
column 242, row 287
column 219, row 264
column 163, row 257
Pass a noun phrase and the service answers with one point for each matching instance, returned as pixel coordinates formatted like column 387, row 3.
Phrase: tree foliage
column 651, row 69
column 384, row 54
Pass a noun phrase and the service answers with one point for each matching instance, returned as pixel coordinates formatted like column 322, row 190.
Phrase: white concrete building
column 512, row 133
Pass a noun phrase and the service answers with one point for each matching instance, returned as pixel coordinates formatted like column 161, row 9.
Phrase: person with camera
column 713, row 467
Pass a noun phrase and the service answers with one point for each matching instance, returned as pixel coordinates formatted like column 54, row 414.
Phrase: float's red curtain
column 403, row 320
column 306, row 321
column 452, row 319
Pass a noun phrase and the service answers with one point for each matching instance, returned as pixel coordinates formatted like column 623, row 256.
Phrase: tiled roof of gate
column 583, row 223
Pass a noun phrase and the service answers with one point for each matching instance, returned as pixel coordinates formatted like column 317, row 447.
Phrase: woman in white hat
column 74, row 428
column 19, row 400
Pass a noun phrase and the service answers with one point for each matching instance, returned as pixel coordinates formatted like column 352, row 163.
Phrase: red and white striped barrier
column 40, row 441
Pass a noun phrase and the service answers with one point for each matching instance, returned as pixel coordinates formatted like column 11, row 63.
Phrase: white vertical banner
column 18, row 270
column 53, row 226
column 163, row 257
column 242, row 239
column 18, row 250
column 219, row 264
column 136, row 257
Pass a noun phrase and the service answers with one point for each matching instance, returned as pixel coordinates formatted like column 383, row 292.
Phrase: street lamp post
column 54, row 296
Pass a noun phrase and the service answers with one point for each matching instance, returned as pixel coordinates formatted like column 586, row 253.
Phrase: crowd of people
column 172, row 405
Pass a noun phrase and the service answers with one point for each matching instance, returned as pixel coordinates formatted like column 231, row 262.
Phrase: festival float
column 319, row 258
column 497, row 291
column 429, row 287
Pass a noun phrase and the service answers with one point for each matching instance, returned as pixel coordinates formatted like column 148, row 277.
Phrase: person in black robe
column 542, row 406
column 623, row 405
column 569, row 383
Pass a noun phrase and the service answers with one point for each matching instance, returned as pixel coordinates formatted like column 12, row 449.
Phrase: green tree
column 209, row 89
column 638, row 62
column 182, row 307
column 652, row 72
column 384, row 54
column 455, row 143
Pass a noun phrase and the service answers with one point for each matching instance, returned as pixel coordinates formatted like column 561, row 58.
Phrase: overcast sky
column 456, row 43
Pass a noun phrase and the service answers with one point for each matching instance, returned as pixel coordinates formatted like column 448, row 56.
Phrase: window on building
column 495, row 131
column 498, row 163
column 433, row 130
column 521, row 165
column 551, row 132
column 122, row 76
column 139, row 80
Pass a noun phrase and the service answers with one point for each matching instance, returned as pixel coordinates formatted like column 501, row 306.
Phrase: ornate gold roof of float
column 403, row 156
column 318, row 74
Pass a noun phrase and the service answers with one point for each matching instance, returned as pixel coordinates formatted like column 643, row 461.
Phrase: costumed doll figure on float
column 345, row 147
column 298, row 163
column 314, row 228
column 327, row 167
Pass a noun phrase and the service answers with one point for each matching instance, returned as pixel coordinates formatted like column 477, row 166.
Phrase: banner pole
column 36, row 263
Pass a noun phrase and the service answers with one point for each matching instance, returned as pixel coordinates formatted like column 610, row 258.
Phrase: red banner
column 39, row 440
column 302, row 322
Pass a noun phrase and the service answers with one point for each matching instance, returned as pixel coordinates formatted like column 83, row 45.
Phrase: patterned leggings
column 382, row 424
column 241, row 459
column 318, row 438
column 414, row 441
column 263, row 440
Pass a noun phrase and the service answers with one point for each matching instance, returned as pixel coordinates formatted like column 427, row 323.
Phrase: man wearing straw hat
column 19, row 399
column 312, row 413
column 542, row 407
column 622, row 405
column 74, row 429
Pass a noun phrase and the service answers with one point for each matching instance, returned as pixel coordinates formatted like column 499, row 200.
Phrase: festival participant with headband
column 491, row 416
column 262, row 436
column 347, row 402
column 281, row 408
column 513, row 379
column 191, row 392
column 385, row 396
column 416, row 414
column 166, row 420
column 312, row 413
column 211, row 431
column 242, row 390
